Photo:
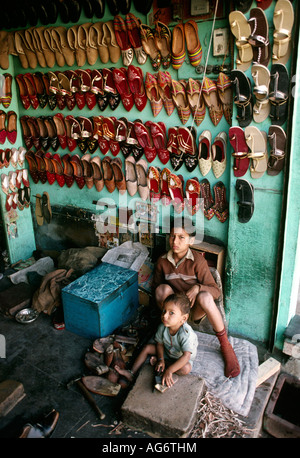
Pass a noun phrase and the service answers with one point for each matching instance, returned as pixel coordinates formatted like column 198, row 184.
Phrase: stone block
column 11, row 393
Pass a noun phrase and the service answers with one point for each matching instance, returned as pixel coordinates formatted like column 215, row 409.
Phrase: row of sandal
column 252, row 35
column 251, row 150
column 170, row 189
column 271, row 90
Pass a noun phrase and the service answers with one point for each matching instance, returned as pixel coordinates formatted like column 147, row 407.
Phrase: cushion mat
column 235, row 393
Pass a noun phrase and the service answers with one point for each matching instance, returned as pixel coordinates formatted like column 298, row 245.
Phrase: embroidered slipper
column 176, row 183
column 257, row 143
column 277, row 141
column 33, row 168
column 186, row 137
column 153, row 94
column 164, row 180
column 133, row 27
column 224, row 86
column 211, row 99
column 158, row 133
column 221, row 205
column 149, row 46
column 195, row 100
column 176, row 156
column 122, row 38
column 23, row 92
column 259, row 37
column 178, row 46
column 243, row 97
column 77, row 170
column 241, row 30
column 122, row 86
column 50, row 171
column 68, row 170
column 180, row 101
column 194, row 48
column 145, row 140
column 154, row 180
column 283, row 20
column 131, row 176
column 279, row 94
column 261, row 78
column 59, row 170
column 163, row 39
column 164, row 81
column 204, row 148
column 136, row 85
column 245, row 193
column 208, row 202
column 192, row 192
column 240, row 154
column 218, row 153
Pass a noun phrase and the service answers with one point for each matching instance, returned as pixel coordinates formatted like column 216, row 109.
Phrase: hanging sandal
column 261, row 78
column 241, row 30
column 279, row 94
column 257, row 143
column 277, row 141
column 221, row 205
column 245, row 193
column 243, row 97
column 208, row 202
column 240, row 154
column 259, row 37
column 283, row 20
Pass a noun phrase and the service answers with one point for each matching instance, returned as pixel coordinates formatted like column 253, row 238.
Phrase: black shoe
column 143, row 7
column 74, row 7
column 42, row 428
column 113, row 7
column 124, row 6
column 87, row 8
column 98, row 8
column 64, row 12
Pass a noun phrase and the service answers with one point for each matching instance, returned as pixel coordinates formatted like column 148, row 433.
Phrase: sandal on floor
column 241, row 29
column 257, row 143
column 245, row 193
column 221, row 205
column 261, row 78
column 279, row 94
column 259, row 37
column 242, row 98
column 283, row 20
column 277, row 141
column 42, row 428
column 240, row 154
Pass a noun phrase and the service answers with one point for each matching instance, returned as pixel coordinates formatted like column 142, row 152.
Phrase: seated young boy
column 185, row 270
column 176, row 342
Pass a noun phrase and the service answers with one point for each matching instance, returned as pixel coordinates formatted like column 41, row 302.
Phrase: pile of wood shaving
column 214, row 420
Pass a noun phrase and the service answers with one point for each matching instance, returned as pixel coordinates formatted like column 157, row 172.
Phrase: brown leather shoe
column 119, row 175
column 108, row 174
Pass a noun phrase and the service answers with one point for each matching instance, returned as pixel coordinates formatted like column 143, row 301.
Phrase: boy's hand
column 160, row 366
column 192, row 293
column 167, row 378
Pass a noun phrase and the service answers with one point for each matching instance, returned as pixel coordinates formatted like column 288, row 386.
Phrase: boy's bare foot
column 125, row 372
column 153, row 360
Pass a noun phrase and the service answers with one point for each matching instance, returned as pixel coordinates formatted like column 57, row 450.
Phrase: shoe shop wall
column 124, row 104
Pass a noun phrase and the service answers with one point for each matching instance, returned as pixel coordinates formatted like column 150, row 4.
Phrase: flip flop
column 277, row 141
column 261, row 78
column 212, row 101
column 283, row 20
column 241, row 29
column 259, row 37
column 278, row 96
column 100, row 385
column 257, row 143
column 245, row 193
column 240, row 154
column 243, row 97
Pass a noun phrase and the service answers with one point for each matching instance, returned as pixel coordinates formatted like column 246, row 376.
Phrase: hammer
column 87, row 395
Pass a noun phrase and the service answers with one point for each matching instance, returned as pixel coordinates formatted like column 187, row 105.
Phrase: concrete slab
column 11, row 393
column 168, row 414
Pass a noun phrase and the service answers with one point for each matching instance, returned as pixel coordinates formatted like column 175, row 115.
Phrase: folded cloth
column 42, row 267
column 235, row 393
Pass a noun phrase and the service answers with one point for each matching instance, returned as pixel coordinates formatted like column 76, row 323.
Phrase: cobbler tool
column 87, row 395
